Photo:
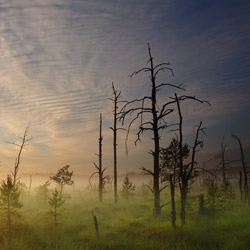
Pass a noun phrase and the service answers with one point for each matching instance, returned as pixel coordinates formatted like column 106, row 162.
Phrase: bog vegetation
column 184, row 206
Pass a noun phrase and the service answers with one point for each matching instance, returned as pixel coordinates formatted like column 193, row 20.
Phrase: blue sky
column 59, row 58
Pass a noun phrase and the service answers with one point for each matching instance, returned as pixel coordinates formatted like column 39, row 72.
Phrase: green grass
column 128, row 225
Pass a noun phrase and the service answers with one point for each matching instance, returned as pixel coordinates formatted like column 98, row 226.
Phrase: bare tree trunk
column 156, row 153
column 183, row 202
column 115, row 162
column 182, row 184
column 117, row 95
column 21, row 147
column 100, row 170
column 185, row 173
column 172, row 192
column 30, row 184
column 243, row 167
column 203, row 174
column 223, row 165
column 240, row 183
column 100, row 162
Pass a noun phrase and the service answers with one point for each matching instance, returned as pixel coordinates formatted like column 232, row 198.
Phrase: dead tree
column 240, row 185
column 115, row 100
column 155, row 115
column 244, row 167
column 30, row 185
column 100, row 170
column 186, row 171
column 21, row 146
column 223, row 165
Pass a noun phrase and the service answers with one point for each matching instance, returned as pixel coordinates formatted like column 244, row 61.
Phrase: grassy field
column 128, row 225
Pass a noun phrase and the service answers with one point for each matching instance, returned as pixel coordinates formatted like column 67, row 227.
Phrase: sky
column 58, row 59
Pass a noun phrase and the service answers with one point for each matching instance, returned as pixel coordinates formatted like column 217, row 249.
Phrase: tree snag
column 21, row 146
column 115, row 100
column 100, row 171
column 244, row 167
column 149, row 106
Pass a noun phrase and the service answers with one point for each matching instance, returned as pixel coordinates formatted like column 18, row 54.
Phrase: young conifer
column 128, row 188
column 55, row 203
column 9, row 201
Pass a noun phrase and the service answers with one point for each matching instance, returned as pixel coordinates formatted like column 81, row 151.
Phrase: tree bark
column 243, row 168
column 156, row 153
column 172, row 192
column 183, row 201
column 100, row 162
column 117, row 95
column 240, row 184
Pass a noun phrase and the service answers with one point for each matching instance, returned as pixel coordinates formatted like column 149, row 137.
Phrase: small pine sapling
column 55, row 203
column 128, row 188
column 228, row 192
column 215, row 199
column 9, row 202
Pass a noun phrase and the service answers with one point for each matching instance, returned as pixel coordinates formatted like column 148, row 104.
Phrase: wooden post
column 96, row 226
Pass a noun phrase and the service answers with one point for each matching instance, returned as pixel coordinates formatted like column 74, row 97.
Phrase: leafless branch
column 149, row 188
column 163, row 188
column 147, row 170
column 165, row 204
column 91, row 178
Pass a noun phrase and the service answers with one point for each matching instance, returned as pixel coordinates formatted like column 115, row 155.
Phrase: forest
column 180, row 203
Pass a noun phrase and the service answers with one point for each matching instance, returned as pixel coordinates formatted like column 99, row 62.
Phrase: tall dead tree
column 155, row 114
column 100, row 170
column 223, row 165
column 244, row 167
column 115, row 100
column 30, row 185
column 223, row 162
column 186, row 171
column 21, row 146
column 240, row 186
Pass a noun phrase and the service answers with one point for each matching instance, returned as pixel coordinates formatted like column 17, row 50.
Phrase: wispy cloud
column 58, row 59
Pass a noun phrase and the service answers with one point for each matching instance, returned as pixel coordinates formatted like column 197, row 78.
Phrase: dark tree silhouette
column 63, row 177
column 149, row 106
column 244, row 168
column 186, row 171
column 21, row 146
column 115, row 100
column 223, row 164
column 100, row 170
column 30, row 184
